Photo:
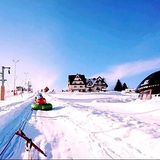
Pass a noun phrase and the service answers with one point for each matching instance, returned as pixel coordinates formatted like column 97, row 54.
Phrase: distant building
column 76, row 83
column 19, row 88
column 150, row 85
column 79, row 83
column 96, row 84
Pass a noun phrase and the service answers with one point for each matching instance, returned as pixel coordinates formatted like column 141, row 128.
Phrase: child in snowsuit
column 39, row 99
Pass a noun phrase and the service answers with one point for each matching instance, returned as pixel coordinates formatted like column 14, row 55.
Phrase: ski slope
column 107, row 125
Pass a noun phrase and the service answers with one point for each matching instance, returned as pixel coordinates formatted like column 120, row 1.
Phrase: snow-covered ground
column 108, row 125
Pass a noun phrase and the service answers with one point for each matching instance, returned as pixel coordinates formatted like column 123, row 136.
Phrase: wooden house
column 96, row 84
column 77, row 83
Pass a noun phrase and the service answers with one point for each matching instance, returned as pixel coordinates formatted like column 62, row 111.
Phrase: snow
column 109, row 125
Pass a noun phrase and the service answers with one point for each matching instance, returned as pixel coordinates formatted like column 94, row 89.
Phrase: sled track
column 6, row 144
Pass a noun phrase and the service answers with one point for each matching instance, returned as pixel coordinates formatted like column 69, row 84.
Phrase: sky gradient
column 116, row 39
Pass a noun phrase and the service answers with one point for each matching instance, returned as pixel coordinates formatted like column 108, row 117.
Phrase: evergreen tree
column 118, row 86
column 124, row 86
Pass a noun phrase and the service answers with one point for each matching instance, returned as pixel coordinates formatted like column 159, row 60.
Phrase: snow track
column 89, row 137
column 9, row 141
column 73, row 130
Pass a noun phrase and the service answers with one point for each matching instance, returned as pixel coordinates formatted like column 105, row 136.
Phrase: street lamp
column 3, row 80
column 14, row 90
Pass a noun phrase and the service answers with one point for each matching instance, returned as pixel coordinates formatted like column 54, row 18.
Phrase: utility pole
column 14, row 90
column 3, row 80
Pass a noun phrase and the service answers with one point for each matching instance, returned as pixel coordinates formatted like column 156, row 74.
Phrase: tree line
column 119, row 86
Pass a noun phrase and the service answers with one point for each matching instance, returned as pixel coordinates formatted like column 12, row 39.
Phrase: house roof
column 92, row 81
column 150, row 82
column 72, row 77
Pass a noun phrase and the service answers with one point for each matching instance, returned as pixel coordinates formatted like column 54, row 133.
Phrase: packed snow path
column 84, row 129
column 9, row 141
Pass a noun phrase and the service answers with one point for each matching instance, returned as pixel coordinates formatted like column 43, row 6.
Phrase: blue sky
column 116, row 39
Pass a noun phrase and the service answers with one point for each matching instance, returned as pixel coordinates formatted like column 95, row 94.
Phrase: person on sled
column 39, row 99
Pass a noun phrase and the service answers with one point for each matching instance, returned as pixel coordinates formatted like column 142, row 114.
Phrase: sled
column 45, row 107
